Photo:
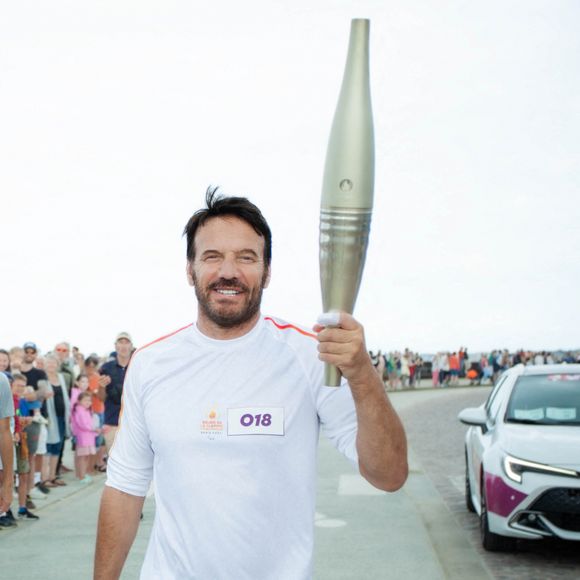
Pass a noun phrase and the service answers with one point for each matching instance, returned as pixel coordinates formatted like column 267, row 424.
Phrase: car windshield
column 545, row 400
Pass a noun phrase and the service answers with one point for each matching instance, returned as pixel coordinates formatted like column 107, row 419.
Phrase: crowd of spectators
column 399, row 370
column 60, row 398
column 487, row 367
column 405, row 370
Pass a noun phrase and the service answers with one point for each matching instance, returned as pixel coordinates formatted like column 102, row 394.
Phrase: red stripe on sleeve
column 286, row 326
column 164, row 337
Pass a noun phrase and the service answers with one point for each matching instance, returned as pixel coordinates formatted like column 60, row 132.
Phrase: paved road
column 437, row 438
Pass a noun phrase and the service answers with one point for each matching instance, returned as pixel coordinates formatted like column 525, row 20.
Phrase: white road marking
column 328, row 523
column 356, row 485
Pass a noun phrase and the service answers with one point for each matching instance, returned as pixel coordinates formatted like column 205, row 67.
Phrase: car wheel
column 468, row 501
column 492, row 542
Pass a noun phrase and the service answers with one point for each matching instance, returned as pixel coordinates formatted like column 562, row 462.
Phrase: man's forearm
column 118, row 522
column 381, row 442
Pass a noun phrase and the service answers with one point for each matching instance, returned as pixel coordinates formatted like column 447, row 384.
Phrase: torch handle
column 332, row 376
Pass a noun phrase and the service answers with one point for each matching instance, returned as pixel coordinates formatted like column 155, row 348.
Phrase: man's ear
column 189, row 272
column 268, row 276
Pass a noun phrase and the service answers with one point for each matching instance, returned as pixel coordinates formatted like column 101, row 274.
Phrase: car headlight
column 514, row 468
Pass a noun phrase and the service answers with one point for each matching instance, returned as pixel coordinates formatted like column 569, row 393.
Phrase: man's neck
column 25, row 367
column 213, row 330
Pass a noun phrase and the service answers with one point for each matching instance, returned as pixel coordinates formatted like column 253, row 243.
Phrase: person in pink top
column 80, row 386
column 83, row 428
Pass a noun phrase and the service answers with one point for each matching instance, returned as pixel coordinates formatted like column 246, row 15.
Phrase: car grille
column 561, row 506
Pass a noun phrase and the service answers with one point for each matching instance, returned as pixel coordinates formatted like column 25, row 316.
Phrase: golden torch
column 347, row 188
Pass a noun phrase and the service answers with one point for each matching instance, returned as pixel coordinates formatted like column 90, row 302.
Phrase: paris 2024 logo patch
column 212, row 427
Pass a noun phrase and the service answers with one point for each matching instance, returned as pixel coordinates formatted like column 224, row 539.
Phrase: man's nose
column 229, row 267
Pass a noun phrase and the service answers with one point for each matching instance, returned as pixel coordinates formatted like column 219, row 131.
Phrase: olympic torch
column 348, row 184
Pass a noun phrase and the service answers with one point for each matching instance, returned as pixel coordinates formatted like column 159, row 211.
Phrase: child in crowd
column 96, row 463
column 85, row 432
column 21, row 446
column 30, row 407
column 80, row 386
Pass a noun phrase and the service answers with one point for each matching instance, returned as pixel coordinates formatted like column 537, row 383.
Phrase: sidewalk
column 428, row 384
column 59, row 494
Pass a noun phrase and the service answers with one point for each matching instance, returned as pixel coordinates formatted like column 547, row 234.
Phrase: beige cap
column 124, row 335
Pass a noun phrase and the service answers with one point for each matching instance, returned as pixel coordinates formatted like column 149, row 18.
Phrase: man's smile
column 229, row 288
column 225, row 292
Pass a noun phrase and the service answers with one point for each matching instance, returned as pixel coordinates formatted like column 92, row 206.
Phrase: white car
column 522, row 454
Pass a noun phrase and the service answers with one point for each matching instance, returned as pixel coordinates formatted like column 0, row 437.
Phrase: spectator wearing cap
column 111, row 385
column 28, row 368
column 35, row 378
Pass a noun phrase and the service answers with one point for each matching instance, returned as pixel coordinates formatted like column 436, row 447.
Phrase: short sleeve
column 130, row 464
column 337, row 413
column 6, row 400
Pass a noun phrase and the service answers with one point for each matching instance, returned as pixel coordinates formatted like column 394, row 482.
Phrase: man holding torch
column 225, row 415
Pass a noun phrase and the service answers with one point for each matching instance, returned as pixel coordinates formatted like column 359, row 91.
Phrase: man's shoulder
column 160, row 345
column 299, row 340
column 298, row 336
column 107, row 366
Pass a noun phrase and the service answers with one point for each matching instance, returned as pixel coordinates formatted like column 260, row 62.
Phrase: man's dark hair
column 220, row 206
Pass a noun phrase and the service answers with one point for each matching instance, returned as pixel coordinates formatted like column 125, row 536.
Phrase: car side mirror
column 475, row 416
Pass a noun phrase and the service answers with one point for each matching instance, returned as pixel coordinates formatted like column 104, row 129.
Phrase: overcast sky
column 116, row 115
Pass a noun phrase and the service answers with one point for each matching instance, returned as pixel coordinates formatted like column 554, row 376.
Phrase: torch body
column 348, row 186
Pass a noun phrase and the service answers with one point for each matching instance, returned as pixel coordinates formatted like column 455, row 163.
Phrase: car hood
column 552, row 445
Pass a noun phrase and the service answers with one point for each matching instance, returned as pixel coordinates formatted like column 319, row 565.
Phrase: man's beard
column 224, row 317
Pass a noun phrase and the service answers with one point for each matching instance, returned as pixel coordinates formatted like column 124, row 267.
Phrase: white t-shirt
column 229, row 430
column 6, row 405
column 6, row 400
